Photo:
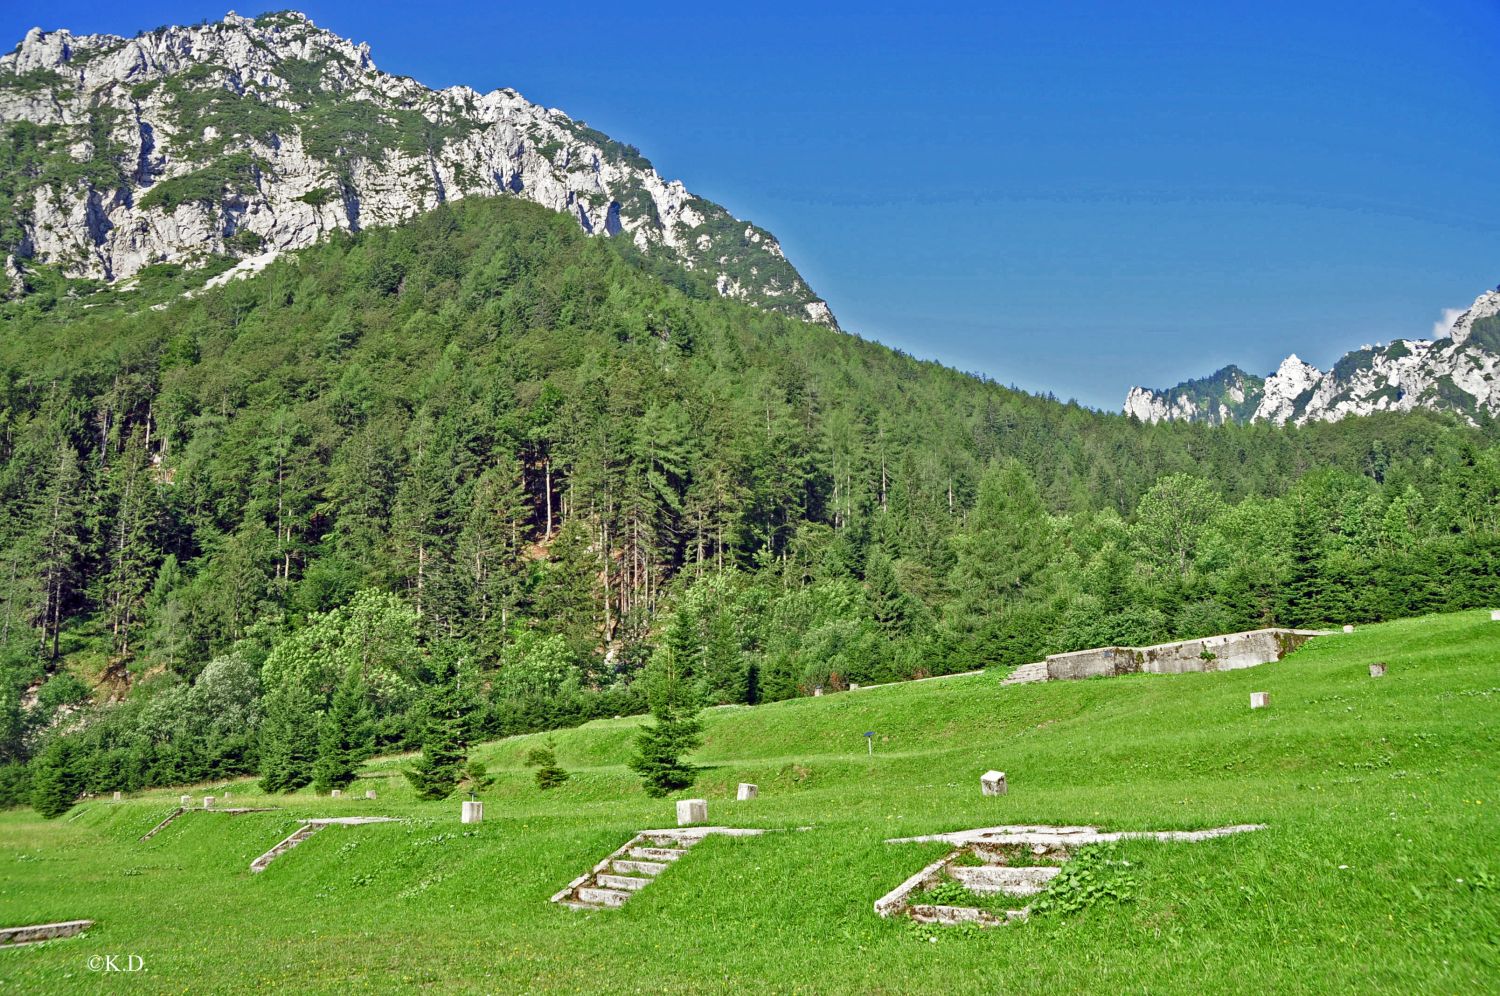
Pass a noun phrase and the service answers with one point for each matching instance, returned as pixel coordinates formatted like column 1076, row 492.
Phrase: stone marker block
column 853, row 686
column 747, row 791
column 1259, row 700
column 185, row 801
column 118, row 796
column 818, row 690
column 1495, row 615
column 369, row 793
column 473, row 812
column 992, row 783
column 335, row 794
column 1377, row 670
column 226, row 796
column 208, row 802
column 1348, row 628
column 692, row 811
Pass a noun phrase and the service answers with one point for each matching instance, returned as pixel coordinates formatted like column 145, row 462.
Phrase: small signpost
column 870, row 741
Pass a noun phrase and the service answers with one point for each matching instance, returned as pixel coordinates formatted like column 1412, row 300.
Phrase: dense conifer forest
column 484, row 473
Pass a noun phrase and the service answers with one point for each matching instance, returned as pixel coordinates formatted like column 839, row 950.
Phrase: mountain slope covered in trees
column 483, row 449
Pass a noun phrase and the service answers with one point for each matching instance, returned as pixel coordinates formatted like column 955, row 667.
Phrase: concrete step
column 625, row 882
column 638, row 867
column 952, row 915
column 988, row 879
column 656, row 853
column 292, row 840
column 573, row 904
column 1027, row 673
column 603, row 897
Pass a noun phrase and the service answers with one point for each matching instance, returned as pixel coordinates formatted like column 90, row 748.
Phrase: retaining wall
column 1231, row 652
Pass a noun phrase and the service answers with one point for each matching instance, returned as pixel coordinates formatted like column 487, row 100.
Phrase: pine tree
column 676, row 729
column 346, row 737
column 890, row 605
column 549, row 774
column 54, row 786
column 288, row 738
column 58, row 518
column 445, row 734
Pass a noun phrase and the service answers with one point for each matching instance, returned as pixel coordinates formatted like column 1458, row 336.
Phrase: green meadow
column 1379, row 869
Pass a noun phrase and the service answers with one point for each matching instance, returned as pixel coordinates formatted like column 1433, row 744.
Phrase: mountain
column 251, row 136
column 1457, row 373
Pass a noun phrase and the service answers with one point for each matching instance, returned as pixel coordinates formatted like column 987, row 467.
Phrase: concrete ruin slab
column 1049, row 848
column 11, row 937
column 1228, row 652
column 306, row 830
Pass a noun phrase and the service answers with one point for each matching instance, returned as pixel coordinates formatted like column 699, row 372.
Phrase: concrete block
column 208, row 802
column 747, row 791
column 818, row 690
column 185, row 801
column 692, row 811
column 1259, row 700
column 992, row 783
column 119, row 796
column 226, row 796
column 335, row 794
column 853, row 686
column 1348, row 628
column 1377, row 670
column 473, row 812
column 1495, row 615
column 369, row 793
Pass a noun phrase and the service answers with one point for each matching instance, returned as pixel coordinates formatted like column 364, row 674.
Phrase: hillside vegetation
column 485, row 440
column 1376, row 872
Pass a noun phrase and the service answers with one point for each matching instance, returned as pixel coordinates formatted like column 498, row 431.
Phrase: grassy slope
column 1394, row 778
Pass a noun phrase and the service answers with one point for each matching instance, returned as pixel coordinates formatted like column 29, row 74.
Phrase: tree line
column 483, row 452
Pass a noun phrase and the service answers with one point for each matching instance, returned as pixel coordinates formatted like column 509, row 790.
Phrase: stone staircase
column 634, row 866
column 1027, row 673
column 306, row 830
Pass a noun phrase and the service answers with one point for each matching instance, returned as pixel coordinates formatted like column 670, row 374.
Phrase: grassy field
column 1379, row 871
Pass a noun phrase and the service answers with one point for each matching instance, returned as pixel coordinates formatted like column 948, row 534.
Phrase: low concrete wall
column 1231, row 652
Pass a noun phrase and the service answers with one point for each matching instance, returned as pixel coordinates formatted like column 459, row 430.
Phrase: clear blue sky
column 1065, row 196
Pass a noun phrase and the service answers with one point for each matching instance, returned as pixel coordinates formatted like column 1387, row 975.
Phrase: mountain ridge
column 250, row 136
column 1457, row 373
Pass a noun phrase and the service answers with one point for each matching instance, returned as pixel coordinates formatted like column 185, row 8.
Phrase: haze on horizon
column 1073, row 200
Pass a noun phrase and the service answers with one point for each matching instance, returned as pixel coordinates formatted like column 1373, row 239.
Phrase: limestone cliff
column 252, row 136
column 1458, row 373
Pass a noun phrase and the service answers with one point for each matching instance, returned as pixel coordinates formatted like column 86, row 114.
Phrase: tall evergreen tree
column 448, row 715
column 54, row 784
column 675, row 730
column 346, row 736
column 288, row 738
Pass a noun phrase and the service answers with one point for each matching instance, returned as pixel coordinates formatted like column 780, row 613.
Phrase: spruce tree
column 445, row 734
column 676, row 729
column 288, row 738
column 346, row 737
column 53, row 785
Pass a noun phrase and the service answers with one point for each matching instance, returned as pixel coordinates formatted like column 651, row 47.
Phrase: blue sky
column 1071, row 197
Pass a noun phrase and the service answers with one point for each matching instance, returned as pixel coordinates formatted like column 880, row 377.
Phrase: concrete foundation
column 747, row 791
column 369, row 793
column 208, row 802
column 473, row 812
column 1260, row 700
column 1229, row 652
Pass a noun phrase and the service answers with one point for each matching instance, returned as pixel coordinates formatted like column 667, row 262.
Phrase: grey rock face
column 1457, row 373
column 253, row 136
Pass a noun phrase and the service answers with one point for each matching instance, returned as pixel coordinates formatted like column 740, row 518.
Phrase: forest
column 483, row 450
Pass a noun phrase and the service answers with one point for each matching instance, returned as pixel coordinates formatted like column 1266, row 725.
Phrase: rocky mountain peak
column 1457, row 373
column 250, row 136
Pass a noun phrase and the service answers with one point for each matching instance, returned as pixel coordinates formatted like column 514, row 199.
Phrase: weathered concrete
column 1495, row 615
column 208, row 802
column 692, row 811
column 1348, row 628
column 634, row 864
column 1229, row 652
column 992, row 783
column 993, row 875
column 163, row 824
column 15, row 936
column 369, row 793
column 1260, row 700
column 1027, row 673
column 335, row 794
column 306, row 830
column 747, row 791
column 1377, row 670
column 118, row 796
column 473, row 812
column 185, row 801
